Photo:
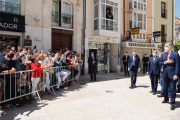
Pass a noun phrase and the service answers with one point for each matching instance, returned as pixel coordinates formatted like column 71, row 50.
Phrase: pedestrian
column 145, row 61
column 92, row 64
column 125, row 62
column 133, row 67
column 154, row 70
column 170, row 61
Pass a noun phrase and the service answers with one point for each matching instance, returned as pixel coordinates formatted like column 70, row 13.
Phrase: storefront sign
column 92, row 45
column 135, row 31
column 12, row 23
column 27, row 42
column 157, row 34
column 101, row 39
column 139, row 45
column 147, row 40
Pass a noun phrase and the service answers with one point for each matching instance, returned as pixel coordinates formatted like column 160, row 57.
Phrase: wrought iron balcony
column 164, row 13
column 8, row 7
column 62, row 20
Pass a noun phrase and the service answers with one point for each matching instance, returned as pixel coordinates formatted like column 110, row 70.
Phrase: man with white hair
column 170, row 61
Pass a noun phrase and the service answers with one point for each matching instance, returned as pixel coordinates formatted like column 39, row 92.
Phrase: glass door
column 101, row 57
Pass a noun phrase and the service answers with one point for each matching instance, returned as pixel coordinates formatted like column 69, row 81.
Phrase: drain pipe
column 83, row 29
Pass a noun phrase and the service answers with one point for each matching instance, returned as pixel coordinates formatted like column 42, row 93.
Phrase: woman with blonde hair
column 57, row 64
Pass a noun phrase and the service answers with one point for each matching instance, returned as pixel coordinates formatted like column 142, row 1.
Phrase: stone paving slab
column 107, row 99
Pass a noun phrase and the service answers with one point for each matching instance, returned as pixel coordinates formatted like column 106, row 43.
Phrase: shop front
column 141, row 48
column 107, row 52
column 12, row 28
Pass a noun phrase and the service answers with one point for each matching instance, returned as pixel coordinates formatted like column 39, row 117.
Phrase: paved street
column 108, row 99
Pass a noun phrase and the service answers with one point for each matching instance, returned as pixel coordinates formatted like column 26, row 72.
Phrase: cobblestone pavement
column 107, row 99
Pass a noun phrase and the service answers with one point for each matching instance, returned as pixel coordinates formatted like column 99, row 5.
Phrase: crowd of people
column 26, row 71
column 164, row 67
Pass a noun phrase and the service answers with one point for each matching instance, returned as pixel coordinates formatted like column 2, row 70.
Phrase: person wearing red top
column 35, row 75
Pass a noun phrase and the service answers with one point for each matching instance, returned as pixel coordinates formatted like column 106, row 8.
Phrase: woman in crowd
column 43, row 60
column 35, row 75
column 57, row 64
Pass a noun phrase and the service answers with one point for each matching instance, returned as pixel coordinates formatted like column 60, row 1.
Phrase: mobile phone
column 35, row 46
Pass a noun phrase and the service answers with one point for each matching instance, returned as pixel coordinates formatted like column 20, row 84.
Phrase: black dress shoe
column 154, row 93
column 94, row 79
column 151, row 91
column 131, row 87
column 172, row 107
column 91, row 80
column 134, row 86
column 164, row 101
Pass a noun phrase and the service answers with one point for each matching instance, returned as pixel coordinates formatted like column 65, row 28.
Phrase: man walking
column 125, row 62
column 92, row 64
column 170, row 61
column 154, row 71
column 145, row 61
column 133, row 67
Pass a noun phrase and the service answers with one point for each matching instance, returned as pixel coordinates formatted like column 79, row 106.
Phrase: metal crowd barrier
column 20, row 84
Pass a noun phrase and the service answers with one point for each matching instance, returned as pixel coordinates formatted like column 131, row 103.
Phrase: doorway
column 113, row 57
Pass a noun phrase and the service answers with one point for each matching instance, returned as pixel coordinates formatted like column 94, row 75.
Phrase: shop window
column 62, row 14
column 10, row 6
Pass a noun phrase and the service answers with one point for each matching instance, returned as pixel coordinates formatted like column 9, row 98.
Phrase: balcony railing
column 108, row 24
column 62, row 20
column 164, row 13
column 8, row 7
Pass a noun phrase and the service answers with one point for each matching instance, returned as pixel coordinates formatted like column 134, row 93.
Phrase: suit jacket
column 137, row 62
column 170, row 69
column 90, row 60
column 154, row 68
column 124, row 58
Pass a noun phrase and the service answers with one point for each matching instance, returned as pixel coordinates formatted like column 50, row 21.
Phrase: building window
column 163, row 10
column 135, row 4
column 10, row 6
column 144, row 36
column 62, row 14
column 144, row 7
column 130, row 5
column 144, row 22
column 139, row 5
column 137, row 35
column 108, row 15
column 139, row 21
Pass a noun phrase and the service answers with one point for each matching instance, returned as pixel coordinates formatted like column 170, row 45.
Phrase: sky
column 177, row 8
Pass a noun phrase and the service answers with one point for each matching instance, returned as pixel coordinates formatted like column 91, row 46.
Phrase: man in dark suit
column 125, row 62
column 145, row 61
column 133, row 67
column 170, row 61
column 178, row 85
column 154, row 70
column 92, row 64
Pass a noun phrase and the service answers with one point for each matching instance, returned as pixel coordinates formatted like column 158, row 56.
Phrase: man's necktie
column 153, row 59
column 167, row 56
column 134, row 60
